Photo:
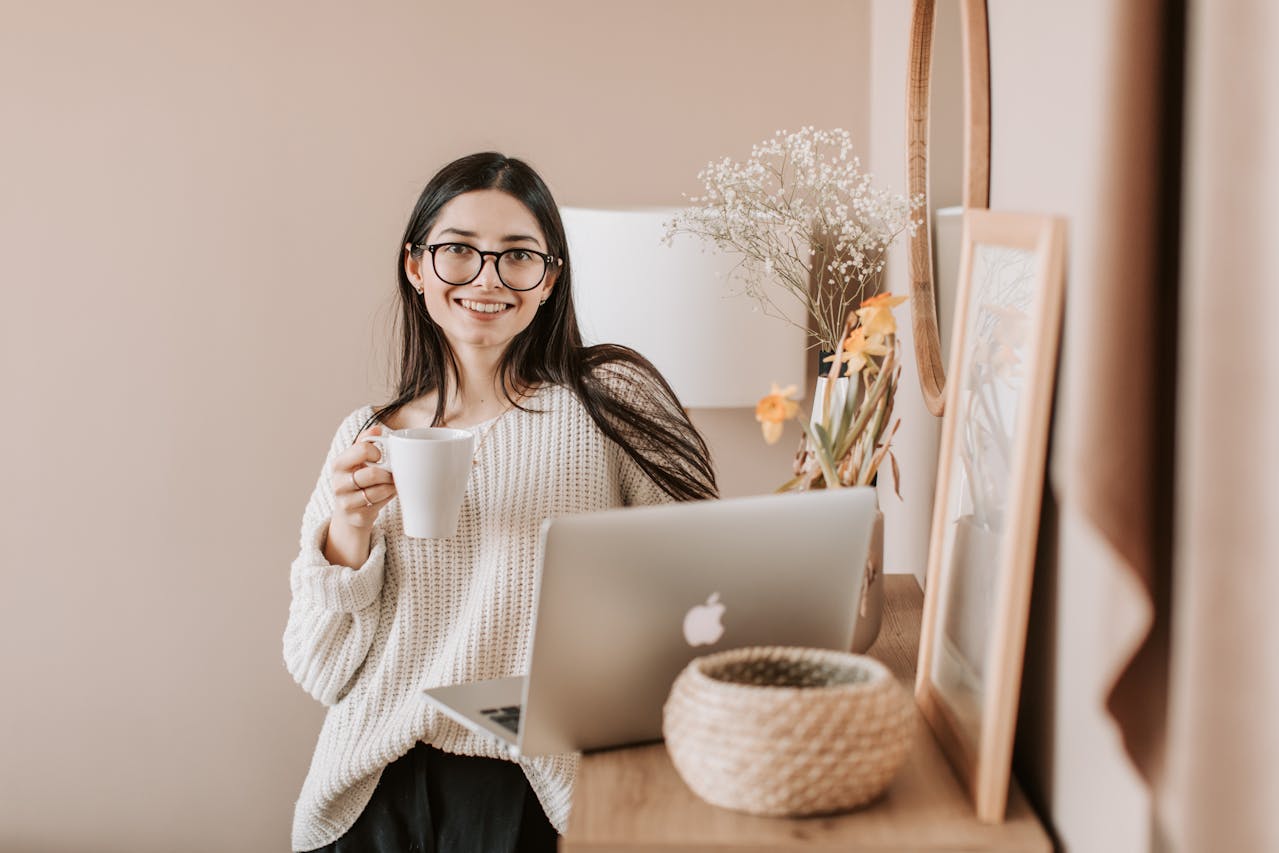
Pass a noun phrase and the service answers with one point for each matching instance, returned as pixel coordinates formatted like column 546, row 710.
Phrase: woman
column 489, row 341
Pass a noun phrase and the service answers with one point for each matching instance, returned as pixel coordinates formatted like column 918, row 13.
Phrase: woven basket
column 787, row 731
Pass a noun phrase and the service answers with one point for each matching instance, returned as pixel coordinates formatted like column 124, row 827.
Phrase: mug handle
column 384, row 461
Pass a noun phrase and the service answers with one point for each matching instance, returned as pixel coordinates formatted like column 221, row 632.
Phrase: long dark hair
column 621, row 390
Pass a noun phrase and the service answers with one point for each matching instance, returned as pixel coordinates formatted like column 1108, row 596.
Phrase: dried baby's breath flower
column 807, row 221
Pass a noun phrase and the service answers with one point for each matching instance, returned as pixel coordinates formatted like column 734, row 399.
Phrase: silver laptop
column 627, row 597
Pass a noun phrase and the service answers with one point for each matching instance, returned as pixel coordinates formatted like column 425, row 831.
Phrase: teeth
column 483, row 307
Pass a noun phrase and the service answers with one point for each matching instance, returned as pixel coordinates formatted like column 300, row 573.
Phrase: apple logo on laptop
column 702, row 625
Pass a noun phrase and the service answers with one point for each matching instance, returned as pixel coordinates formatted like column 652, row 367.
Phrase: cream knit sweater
column 425, row 612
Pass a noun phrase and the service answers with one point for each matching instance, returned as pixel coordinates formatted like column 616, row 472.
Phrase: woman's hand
column 359, row 491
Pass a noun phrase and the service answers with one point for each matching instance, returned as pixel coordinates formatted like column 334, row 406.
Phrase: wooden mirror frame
column 923, row 297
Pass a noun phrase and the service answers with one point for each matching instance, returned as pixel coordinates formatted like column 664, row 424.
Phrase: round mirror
column 948, row 162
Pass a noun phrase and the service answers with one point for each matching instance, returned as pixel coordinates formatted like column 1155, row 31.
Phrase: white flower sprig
column 803, row 215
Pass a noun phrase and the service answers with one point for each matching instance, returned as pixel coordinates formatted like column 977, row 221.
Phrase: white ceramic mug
column 431, row 466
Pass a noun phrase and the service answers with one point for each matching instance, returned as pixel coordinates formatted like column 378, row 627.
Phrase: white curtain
column 1222, row 787
column 1184, row 497
column 1111, row 468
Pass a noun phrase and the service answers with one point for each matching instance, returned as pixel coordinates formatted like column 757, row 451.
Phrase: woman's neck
column 478, row 395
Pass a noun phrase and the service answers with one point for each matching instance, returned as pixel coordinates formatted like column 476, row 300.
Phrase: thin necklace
column 488, row 428
column 490, row 424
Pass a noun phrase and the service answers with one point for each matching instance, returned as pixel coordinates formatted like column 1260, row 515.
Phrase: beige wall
column 1048, row 86
column 199, row 208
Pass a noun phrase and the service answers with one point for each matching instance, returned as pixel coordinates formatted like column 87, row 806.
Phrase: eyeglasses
column 461, row 263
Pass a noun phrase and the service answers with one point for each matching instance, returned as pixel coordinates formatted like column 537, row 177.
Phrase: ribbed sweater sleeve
column 334, row 609
column 636, row 486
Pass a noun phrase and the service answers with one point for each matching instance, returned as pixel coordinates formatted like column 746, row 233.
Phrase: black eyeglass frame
column 547, row 260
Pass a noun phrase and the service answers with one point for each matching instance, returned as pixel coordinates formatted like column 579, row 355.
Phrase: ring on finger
column 365, row 495
column 355, row 482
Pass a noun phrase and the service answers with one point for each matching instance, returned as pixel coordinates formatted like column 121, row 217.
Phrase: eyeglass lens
column 458, row 263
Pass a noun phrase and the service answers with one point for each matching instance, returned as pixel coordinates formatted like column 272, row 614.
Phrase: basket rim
column 878, row 672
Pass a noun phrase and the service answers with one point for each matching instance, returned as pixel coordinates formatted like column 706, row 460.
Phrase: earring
column 543, row 302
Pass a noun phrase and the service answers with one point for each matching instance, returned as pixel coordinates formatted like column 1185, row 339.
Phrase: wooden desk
column 632, row 799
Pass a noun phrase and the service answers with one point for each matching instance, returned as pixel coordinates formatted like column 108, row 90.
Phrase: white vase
column 838, row 395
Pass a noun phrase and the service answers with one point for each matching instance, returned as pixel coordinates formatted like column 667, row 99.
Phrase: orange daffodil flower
column 884, row 300
column 774, row 409
column 857, row 348
column 866, row 340
column 868, row 337
column 876, row 315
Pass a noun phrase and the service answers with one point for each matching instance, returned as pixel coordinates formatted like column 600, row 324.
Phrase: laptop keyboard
column 508, row 717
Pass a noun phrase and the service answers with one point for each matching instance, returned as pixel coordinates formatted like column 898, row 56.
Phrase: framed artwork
column 989, row 484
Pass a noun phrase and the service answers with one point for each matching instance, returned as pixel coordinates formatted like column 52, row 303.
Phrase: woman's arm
column 335, row 608
column 636, row 487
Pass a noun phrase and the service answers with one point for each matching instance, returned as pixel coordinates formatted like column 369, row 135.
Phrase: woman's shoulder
column 353, row 424
column 620, row 367
column 629, row 376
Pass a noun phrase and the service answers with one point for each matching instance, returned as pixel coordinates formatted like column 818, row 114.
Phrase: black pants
column 431, row 801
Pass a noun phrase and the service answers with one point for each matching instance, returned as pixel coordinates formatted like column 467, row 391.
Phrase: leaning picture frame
column 989, row 487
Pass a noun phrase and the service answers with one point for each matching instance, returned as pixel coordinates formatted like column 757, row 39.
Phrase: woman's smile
column 484, row 309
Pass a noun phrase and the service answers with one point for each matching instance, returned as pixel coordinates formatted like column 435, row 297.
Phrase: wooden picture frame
column 976, row 165
column 989, row 487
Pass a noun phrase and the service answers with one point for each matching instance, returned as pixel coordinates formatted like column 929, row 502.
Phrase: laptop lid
column 627, row 597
